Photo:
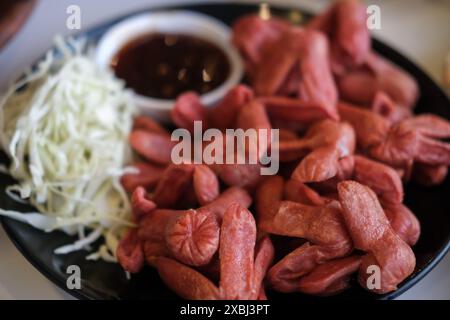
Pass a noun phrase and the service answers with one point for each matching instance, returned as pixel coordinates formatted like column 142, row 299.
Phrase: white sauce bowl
column 171, row 22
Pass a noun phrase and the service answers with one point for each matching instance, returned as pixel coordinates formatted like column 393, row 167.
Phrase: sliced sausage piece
column 404, row 222
column 206, row 184
column 370, row 127
column 193, row 236
column 184, row 281
column 224, row 114
column 129, row 252
column 237, row 244
column 371, row 232
column 152, row 225
column 427, row 175
column 268, row 197
column 148, row 124
column 173, row 184
column 382, row 179
column 147, row 177
column 264, row 254
column 284, row 276
column 300, row 192
column 329, row 278
column 141, row 205
column 188, row 109
column 154, row 147
column 320, row 225
column 153, row 249
column 319, row 165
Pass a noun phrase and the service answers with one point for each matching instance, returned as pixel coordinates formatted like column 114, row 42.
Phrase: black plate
column 101, row 280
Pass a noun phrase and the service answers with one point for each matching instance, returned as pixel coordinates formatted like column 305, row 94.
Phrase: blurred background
column 419, row 29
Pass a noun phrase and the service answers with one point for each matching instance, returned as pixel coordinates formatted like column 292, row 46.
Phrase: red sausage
column 193, row 237
column 237, row 244
column 147, row 177
column 186, row 282
column 129, row 252
column 140, row 204
column 371, row 232
column 329, row 278
column 154, row 147
column 206, row 184
column 173, row 184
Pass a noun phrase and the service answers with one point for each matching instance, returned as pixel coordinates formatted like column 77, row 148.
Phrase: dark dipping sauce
column 165, row 65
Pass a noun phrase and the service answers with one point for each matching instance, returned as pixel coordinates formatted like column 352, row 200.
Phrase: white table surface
column 420, row 29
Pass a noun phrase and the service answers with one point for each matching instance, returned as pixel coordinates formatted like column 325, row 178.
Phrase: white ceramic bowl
column 171, row 22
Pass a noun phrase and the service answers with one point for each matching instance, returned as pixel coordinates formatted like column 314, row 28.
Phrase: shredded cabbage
column 65, row 127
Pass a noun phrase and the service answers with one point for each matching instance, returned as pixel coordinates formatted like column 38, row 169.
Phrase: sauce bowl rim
column 183, row 22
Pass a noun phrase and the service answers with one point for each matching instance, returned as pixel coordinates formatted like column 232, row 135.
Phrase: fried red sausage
column 141, row 205
column 293, row 109
column 293, row 150
column 227, row 197
column 148, row 124
column 154, row 147
column 206, row 184
column 370, row 128
column 304, row 52
column 329, row 141
column 223, row 115
column 322, row 226
column 242, row 266
column 397, row 83
column 317, row 84
column 404, row 222
column 427, row 175
column 300, row 57
column 147, row 177
column 244, row 175
column 253, row 116
column 277, row 63
column 319, row 225
column 385, row 106
column 345, row 25
column 264, row 254
column 254, row 36
column 152, row 225
column 371, row 232
column 186, row 282
column 188, row 109
column 268, row 197
column 284, row 276
column 319, row 165
column 382, row 179
column 300, row 192
column 173, row 184
column 237, row 244
column 406, row 143
column 330, row 278
column 129, row 252
column 153, row 249
column 193, row 237
column 429, row 125
column 361, row 85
